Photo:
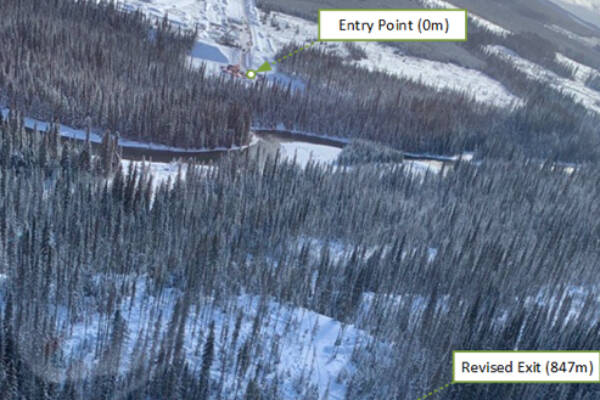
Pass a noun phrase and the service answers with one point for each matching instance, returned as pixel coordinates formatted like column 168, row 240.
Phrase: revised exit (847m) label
column 526, row 367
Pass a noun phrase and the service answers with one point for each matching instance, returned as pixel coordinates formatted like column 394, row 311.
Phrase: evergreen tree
column 207, row 360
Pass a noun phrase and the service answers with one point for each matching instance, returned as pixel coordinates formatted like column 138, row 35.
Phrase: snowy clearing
column 302, row 340
column 440, row 75
column 304, row 152
column 221, row 24
column 421, row 168
column 208, row 52
column 161, row 172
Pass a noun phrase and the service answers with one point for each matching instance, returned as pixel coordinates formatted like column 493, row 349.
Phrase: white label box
column 392, row 25
column 526, row 367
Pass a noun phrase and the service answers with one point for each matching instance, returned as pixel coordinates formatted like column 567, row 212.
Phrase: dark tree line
column 365, row 152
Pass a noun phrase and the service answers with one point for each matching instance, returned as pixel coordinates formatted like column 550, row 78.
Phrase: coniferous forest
column 255, row 278
column 68, row 60
column 65, row 60
column 111, row 290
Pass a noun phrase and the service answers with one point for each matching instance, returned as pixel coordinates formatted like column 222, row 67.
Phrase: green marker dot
column 251, row 74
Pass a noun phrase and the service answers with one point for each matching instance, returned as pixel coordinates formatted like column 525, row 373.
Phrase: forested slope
column 410, row 116
column 254, row 278
column 203, row 289
column 67, row 60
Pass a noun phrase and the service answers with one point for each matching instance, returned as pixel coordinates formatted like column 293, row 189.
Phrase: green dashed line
column 251, row 74
column 435, row 391
column 305, row 47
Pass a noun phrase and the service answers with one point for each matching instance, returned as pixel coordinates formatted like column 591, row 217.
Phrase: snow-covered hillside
column 247, row 36
column 312, row 352
column 574, row 87
column 282, row 29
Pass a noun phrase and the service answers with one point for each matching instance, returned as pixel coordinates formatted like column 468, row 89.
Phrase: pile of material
column 234, row 70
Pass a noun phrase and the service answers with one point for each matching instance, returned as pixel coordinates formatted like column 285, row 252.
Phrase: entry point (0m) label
column 392, row 25
column 526, row 367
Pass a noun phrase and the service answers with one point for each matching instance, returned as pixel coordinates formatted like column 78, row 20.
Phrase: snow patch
column 423, row 167
column 304, row 152
column 208, row 52
column 161, row 172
